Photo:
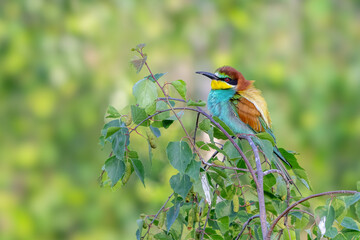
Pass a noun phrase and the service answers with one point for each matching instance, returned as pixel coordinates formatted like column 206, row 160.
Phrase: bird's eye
column 227, row 79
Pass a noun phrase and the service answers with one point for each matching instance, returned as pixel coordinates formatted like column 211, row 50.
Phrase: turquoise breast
column 219, row 105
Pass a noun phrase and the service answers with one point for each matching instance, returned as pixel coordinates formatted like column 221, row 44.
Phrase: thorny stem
column 157, row 214
column 303, row 200
column 245, row 225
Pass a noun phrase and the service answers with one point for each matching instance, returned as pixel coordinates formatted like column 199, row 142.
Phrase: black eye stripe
column 229, row 81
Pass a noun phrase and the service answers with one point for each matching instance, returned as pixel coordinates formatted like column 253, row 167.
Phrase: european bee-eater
column 240, row 106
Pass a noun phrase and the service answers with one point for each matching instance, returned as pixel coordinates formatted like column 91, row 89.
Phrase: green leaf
column 180, row 86
column 156, row 75
column 226, row 128
column 220, row 172
column 193, row 169
column 350, row 223
column 166, row 123
column 217, row 179
column 181, row 184
column 301, row 174
column 115, row 169
column 331, row 232
column 179, row 154
column 330, row 217
column 120, row 141
column 113, row 123
column 347, row 234
column 138, row 115
column 151, row 109
column 281, row 189
column 223, row 224
column 139, row 63
column 279, row 206
column 357, row 209
column 113, row 113
column 204, row 125
column 269, row 181
column 266, row 136
column 139, row 169
column 111, row 131
column 155, row 131
column 160, row 105
column 290, row 157
column 339, row 207
column 350, row 200
column 223, row 209
column 219, row 134
column 267, row 148
column 140, row 223
column 171, row 215
column 197, row 104
column 145, row 93
column 163, row 236
column 231, row 151
column 202, row 145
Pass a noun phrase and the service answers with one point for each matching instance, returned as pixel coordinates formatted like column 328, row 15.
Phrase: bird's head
column 227, row 77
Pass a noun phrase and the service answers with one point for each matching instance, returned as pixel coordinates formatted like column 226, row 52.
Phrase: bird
column 241, row 106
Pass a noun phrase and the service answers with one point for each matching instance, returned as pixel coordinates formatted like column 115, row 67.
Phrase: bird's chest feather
column 219, row 102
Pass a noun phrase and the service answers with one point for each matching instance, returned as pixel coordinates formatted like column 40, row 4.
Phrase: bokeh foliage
column 63, row 62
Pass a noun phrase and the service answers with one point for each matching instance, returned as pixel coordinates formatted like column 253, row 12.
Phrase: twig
column 226, row 167
column 196, row 127
column 245, row 225
column 303, row 200
column 157, row 214
column 206, row 220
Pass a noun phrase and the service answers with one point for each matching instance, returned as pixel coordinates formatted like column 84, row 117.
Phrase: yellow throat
column 218, row 85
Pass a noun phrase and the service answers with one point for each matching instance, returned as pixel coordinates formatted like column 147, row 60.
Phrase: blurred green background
column 63, row 62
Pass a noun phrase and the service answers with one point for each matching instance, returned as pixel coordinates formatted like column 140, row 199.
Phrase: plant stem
column 245, row 224
column 260, row 186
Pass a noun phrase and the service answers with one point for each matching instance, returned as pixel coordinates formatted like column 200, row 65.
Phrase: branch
column 303, row 200
column 245, row 224
column 260, row 186
column 157, row 214
column 206, row 220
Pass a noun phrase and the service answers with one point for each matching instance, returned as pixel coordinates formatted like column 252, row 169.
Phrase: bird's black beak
column 209, row 75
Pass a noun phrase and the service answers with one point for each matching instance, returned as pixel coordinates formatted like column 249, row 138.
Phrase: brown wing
column 249, row 114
